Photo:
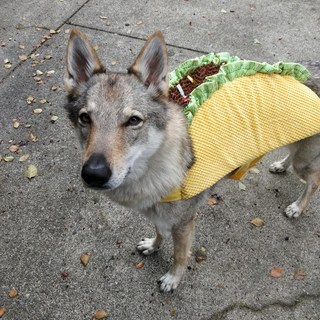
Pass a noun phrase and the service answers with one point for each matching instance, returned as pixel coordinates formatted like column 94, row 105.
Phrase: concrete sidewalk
column 48, row 222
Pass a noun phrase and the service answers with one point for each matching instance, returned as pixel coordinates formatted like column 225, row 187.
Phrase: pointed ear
column 82, row 61
column 151, row 66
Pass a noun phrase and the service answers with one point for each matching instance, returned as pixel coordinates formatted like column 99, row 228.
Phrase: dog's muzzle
column 96, row 172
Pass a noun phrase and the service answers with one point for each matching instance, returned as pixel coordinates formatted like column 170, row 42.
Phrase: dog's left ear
column 151, row 66
column 82, row 61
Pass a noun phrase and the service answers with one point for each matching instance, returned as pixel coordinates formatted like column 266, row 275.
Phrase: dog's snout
column 96, row 172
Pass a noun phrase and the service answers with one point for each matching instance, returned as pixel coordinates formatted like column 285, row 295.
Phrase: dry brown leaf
column 101, row 315
column 64, row 274
column 200, row 255
column 2, row 311
column 173, row 312
column 103, row 17
column 119, row 242
column 96, row 48
column 3, row 44
column 13, row 148
column 33, row 138
column 51, row 72
column 66, row 31
column 30, row 99
column 140, row 265
column 40, row 82
column 167, row 300
column 31, row 171
column 211, row 201
column 138, row 23
column 21, row 46
column 257, row 222
column 36, row 78
column 16, row 125
column 8, row 159
column 54, row 119
column 27, row 126
column 52, row 31
column 6, row 61
column 113, row 63
column 223, row 11
column 219, row 285
column 210, row 33
column 13, row 293
column 23, row 57
column 19, row 151
column 7, row 66
column 253, row 8
column 39, row 73
column 43, row 101
column 299, row 275
column 85, row 259
column 276, row 272
column 24, row 157
column 108, row 24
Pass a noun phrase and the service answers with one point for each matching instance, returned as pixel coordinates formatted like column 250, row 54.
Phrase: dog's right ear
column 82, row 61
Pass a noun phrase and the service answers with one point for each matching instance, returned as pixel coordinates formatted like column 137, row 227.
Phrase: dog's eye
column 85, row 118
column 133, row 121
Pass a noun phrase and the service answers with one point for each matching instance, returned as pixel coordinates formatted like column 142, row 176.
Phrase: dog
column 137, row 146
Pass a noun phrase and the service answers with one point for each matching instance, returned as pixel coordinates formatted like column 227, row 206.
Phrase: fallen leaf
column 2, row 311
column 103, row 17
column 113, row 63
column 30, row 99
column 3, row 44
column 54, row 88
column 51, row 72
column 138, row 23
column 219, row 285
column 101, row 315
column 8, row 159
column 129, row 31
column 204, row 16
column 119, row 242
column 39, row 73
column 13, row 293
column 173, row 312
column 256, row 41
column 54, row 118
column 52, row 31
column 21, row 46
column 23, row 58
column 303, row 181
column 95, row 199
column 96, row 48
column 6, row 61
column 37, row 111
column 276, row 272
column 211, row 201
column 223, row 11
column 27, row 126
column 257, row 222
column 13, row 148
column 24, row 157
column 33, row 56
column 210, row 33
column 33, row 138
column 36, row 78
column 66, row 31
column 16, row 125
column 19, row 151
column 40, row 82
column 85, row 259
column 200, row 255
column 43, row 101
column 190, row 23
column 7, row 66
column 48, row 57
column 31, row 171
column 203, row 249
column 280, row 38
column 299, row 275
column 253, row 8
column 108, row 24
column 38, row 29
column 140, row 265
column 167, row 300
column 64, row 274
column 254, row 170
column 242, row 186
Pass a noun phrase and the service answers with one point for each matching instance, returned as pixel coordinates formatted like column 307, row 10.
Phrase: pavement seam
column 35, row 49
column 132, row 37
column 298, row 300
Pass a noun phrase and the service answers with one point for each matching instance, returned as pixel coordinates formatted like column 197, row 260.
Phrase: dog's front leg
column 150, row 245
column 182, row 238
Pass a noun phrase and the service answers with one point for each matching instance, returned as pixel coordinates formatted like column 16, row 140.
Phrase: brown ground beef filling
column 198, row 76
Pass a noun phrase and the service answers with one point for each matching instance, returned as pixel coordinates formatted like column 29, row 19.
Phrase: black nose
column 96, row 172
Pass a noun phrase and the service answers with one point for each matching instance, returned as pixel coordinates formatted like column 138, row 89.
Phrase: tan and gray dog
column 137, row 146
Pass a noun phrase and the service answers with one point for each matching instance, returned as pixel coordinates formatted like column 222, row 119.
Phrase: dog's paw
column 293, row 211
column 147, row 246
column 169, row 281
column 277, row 167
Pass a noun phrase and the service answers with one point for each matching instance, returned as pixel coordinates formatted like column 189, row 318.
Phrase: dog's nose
column 96, row 172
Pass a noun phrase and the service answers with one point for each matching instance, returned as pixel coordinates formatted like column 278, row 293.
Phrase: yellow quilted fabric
column 243, row 120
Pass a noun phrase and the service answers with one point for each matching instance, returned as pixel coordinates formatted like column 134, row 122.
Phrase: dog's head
column 120, row 117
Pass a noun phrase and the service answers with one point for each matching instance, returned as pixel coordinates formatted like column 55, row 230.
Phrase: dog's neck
column 165, row 170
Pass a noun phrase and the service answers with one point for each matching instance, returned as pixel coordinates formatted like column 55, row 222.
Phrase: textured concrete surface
column 47, row 223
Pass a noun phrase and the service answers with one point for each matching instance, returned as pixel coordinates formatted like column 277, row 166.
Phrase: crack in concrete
column 222, row 315
column 132, row 37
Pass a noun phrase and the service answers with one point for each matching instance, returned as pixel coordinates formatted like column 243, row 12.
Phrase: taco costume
column 241, row 113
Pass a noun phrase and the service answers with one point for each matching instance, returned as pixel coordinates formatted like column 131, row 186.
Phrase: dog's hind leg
column 182, row 239
column 150, row 245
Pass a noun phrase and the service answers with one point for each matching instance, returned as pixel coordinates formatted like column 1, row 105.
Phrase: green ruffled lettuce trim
column 232, row 69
